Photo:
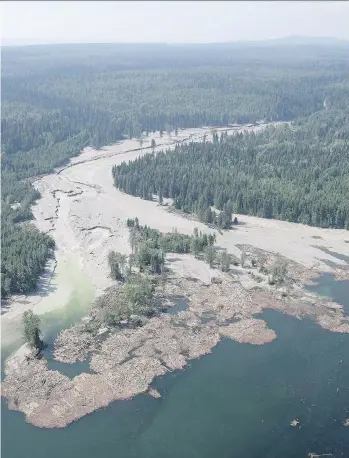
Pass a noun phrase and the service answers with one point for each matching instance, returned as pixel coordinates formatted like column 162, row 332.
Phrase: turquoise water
column 236, row 402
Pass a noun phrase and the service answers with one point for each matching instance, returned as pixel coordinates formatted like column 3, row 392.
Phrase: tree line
column 149, row 247
column 138, row 274
column 55, row 104
column 297, row 172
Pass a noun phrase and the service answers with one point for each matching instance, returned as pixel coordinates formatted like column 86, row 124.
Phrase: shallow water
column 336, row 290
column 70, row 370
column 77, row 305
column 180, row 304
column 237, row 401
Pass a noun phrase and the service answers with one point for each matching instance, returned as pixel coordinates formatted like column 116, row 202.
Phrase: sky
column 33, row 22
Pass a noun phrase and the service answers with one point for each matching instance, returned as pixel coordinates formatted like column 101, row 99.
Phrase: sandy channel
column 86, row 215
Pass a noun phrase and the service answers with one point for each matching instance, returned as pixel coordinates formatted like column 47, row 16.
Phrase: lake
column 236, row 402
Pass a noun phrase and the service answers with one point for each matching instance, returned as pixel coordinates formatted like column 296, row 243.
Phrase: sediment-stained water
column 56, row 310
column 237, row 401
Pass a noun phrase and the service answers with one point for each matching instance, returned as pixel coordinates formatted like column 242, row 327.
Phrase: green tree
column 31, row 329
column 168, row 129
column 273, row 174
column 195, row 247
column 278, row 273
column 116, row 263
column 161, row 199
column 137, row 130
column 225, row 261
column 226, row 217
column 210, row 255
column 138, row 294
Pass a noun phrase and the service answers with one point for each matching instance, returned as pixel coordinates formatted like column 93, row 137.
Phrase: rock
column 294, row 423
column 154, row 393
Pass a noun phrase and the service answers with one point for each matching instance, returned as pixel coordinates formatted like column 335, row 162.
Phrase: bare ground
column 87, row 216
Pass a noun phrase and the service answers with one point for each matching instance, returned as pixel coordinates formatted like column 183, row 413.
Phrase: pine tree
column 31, row 329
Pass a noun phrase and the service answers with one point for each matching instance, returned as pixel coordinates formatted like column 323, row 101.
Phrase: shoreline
column 127, row 360
column 46, row 208
column 86, row 216
column 70, row 210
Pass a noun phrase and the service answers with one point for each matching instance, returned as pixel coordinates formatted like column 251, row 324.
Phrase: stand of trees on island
column 137, row 276
column 139, row 273
column 149, row 247
column 297, row 172
column 54, row 104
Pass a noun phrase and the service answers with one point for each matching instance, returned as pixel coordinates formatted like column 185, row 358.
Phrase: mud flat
column 87, row 216
column 80, row 208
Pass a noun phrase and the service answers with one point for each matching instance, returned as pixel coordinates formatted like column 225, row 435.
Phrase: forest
column 57, row 99
column 297, row 172
column 136, row 275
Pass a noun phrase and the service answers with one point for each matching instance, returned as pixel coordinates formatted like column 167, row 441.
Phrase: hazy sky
column 93, row 21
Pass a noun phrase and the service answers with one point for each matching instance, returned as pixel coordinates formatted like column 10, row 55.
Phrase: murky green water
column 236, row 402
column 52, row 322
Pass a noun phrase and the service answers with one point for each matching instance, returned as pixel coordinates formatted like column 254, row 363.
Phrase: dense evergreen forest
column 57, row 99
column 297, row 172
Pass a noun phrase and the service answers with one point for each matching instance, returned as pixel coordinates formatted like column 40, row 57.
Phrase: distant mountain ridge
column 300, row 40
column 292, row 40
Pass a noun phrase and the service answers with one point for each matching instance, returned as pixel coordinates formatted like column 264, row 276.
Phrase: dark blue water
column 324, row 286
column 236, row 402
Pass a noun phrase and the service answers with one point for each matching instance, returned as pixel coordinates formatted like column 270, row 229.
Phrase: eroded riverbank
column 87, row 217
column 80, row 210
